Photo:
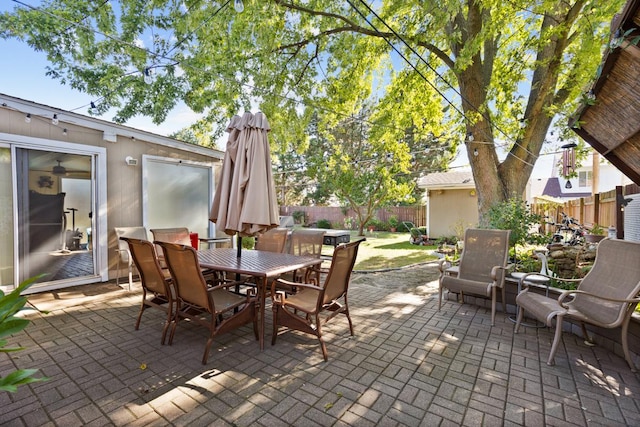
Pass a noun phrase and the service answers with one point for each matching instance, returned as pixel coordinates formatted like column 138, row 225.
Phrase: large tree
column 493, row 73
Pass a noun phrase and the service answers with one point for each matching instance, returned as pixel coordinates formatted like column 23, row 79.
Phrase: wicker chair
column 196, row 300
column 301, row 311
column 482, row 267
column 157, row 290
column 605, row 297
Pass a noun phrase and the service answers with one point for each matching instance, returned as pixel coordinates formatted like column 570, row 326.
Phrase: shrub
column 324, row 223
column 10, row 304
column 299, row 217
column 513, row 214
column 393, row 222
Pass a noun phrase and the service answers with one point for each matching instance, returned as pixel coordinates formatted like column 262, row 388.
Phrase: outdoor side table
column 535, row 279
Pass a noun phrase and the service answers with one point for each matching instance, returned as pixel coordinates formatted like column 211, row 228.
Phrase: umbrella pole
column 239, row 243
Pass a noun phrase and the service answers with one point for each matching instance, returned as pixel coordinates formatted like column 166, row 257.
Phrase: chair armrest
column 524, row 285
column 565, row 294
column 443, row 264
column 128, row 252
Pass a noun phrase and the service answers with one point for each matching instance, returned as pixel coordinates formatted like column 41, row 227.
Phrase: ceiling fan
column 59, row 169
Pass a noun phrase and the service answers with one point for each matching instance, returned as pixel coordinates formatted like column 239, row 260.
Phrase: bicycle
column 568, row 232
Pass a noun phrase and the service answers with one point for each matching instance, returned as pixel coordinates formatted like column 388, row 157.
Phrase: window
column 584, row 179
column 177, row 194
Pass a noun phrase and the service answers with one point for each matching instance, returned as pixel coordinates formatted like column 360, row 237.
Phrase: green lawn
column 387, row 250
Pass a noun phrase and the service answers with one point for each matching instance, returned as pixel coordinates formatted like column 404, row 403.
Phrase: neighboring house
column 558, row 187
column 67, row 180
column 451, row 203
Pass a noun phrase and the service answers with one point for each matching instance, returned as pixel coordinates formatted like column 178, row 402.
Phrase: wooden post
column 619, row 213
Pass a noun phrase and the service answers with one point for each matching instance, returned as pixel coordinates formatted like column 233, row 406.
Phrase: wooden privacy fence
column 605, row 209
column 346, row 218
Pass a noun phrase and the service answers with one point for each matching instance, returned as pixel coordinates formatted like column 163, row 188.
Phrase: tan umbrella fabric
column 245, row 199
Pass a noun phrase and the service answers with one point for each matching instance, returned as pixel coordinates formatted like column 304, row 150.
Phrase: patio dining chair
column 307, row 243
column 124, row 254
column 301, row 311
column 197, row 299
column 179, row 235
column 157, row 289
column 274, row 240
column 606, row 297
column 482, row 268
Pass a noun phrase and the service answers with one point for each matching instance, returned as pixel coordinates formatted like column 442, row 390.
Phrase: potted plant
column 595, row 234
column 393, row 223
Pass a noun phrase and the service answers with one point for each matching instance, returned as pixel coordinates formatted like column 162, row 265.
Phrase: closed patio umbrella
column 245, row 200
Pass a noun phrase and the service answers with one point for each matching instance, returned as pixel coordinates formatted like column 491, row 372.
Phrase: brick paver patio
column 407, row 365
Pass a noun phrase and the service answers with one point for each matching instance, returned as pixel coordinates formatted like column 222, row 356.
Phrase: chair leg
column 118, row 271
column 205, row 357
column 519, row 319
column 346, row 312
column 556, row 340
column 274, row 334
column 323, row 347
column 625, row 343
column 167, row 323
column 439, row 297
column 493, row 306
column 142, row 308
column 130, row 276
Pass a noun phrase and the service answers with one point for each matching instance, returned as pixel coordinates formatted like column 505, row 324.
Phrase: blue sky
column 24, row 77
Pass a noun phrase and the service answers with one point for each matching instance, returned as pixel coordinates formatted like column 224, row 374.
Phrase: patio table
column 264, row 266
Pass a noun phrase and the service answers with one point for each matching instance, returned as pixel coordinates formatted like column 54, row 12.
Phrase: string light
column 64, row 131
column 148, row 75
column 27, row 118
column 54, row 120
column 238, row 5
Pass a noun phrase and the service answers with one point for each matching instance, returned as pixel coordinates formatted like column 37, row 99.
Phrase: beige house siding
column 451, row 211
column 124, row 184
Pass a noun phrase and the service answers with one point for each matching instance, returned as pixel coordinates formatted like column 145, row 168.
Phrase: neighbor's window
column 584, row 179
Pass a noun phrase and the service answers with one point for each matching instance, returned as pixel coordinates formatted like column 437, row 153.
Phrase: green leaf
column 12, row 325
column 19, row 377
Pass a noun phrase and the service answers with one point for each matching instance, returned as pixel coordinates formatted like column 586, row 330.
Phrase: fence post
column 619, row 213
column 596, row 208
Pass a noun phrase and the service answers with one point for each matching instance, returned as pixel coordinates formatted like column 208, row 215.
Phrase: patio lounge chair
column 301, row 311
column 197, row 300
column 157, row 290
column 606, row 296
column 481, row 271
column 124, row 255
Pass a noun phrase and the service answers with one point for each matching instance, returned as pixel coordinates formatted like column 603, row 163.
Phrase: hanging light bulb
column 148, row 75
column 54, row 120
column 64, row 131
column 469, row 136
column 238, row 6
column 27, row 118
column 568, row 185
column 92, row 108
column 475, row 152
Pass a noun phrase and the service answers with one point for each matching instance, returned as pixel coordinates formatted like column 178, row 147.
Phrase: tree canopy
column 491, row 74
